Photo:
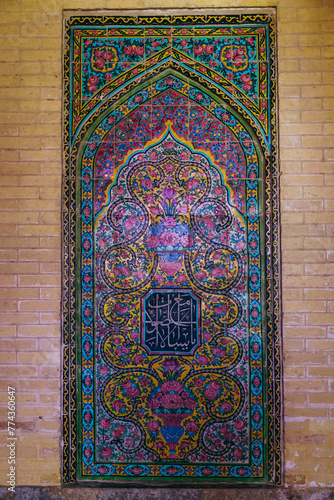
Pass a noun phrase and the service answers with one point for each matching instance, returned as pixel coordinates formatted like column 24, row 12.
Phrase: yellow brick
column 39, row 386
column 8, row 155
column 301, row 104
column 18, row 344
column 301, row 154
column 309, row 78
column 49, row 425
column 44, row 204
column 44, row 81
column 50, row 192
column 304, row 332
column 309, row 14
column 41, row 255
column 319, row 167
column 303, row 255
column 26, row 398
column 49, row 344
column 7, row 357
column 18, row 169
column 39, row 280
column 9, row 180
column 304, row 230
column 292, row 218
column 329, row 128
column 305, row 385
column 303, row 52
column 39, row 130
column 287, row 91
column 300, row 129
column 294, row 399
column 298, row 27
column 8, row 280
column 317, row 91
column 292, row 344
column 35, row 411
column 39, row 180
column 328, row 52
column 52, row 117
column 296, row 319
column 303, row 180
column 289, row 65
column 19, row 192
column 50, row 317
column 326, row 269
column 50, row 398
column 19, row 242
column 39, row 230
column 287, row 41
column 8, row 305
column 19, row 318
column 8, row 255
column 321, row 371
column 329, row 154
column 317, row 116
column 20, row 371
column 292, row 243
column 318, row 192
column 19, row 218
column 50, row 218
column 50, row 242
column 42, row 305
column 292, row 412
column 290, row 142
column 318, row 218
column 8, row 204
column 318, row 243
column 316, row 141
column 36, row 357
column 288, row 192
column 320, row 345
column 320, row 319
column 8, row 230
column 38, row 55
column 39, row 331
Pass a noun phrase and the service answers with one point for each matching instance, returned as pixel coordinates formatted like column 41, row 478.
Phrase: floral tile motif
column 170, row 305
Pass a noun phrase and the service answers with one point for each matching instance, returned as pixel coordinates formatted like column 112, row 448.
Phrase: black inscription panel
column 171, row 322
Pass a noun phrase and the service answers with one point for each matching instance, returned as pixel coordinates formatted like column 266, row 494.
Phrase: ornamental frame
column 85, row 116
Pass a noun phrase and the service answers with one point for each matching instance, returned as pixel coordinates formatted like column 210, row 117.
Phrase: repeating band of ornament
column 105, row 98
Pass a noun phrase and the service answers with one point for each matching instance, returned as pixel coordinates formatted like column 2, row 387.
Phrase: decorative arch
column 172, row 216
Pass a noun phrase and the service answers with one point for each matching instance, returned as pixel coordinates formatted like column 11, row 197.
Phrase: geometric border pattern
column 74, row 133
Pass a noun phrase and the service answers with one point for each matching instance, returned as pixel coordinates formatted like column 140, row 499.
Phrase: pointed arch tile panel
column 171, row 316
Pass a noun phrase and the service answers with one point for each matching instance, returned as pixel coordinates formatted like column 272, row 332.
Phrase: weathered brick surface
column 30, row 192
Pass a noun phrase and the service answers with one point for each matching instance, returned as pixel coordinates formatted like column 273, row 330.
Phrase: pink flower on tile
column 130, row 222
column 169, row 238
column 210, row 393
column 201, row 275
column 169, row 222
column 153, row 426
column 128, row 50
column 152, row 240
column 106, row 452
column 172, row 385
column 226, row 406
column 105, row 423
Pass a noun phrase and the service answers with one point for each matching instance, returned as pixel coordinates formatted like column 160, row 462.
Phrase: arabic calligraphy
column 171, row 322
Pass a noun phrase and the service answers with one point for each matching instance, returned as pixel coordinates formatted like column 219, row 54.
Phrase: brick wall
column 30, row 241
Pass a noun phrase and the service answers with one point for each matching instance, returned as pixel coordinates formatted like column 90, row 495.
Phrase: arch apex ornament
column 171, row 314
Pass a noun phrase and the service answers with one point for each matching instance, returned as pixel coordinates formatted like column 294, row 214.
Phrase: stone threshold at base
column 107, row 493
